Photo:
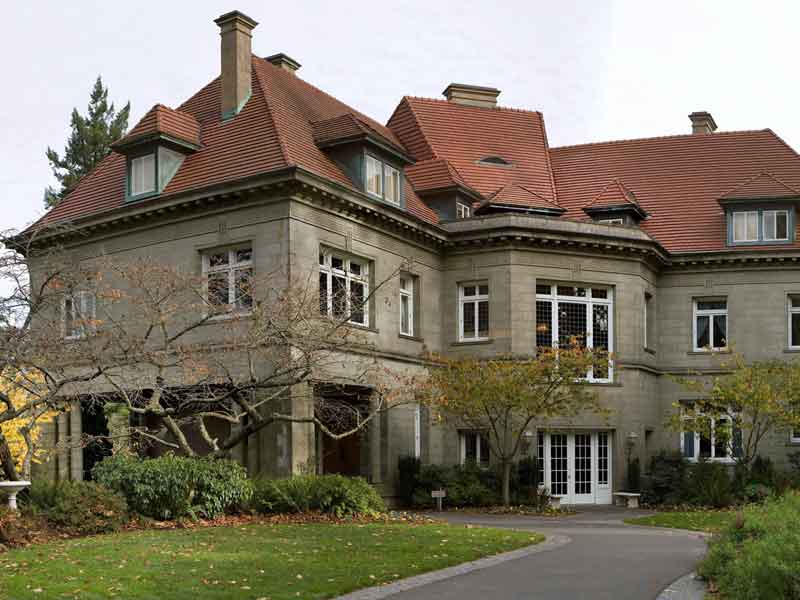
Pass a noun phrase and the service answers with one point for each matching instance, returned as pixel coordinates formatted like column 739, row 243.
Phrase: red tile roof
column 436, row 174
column 273, row 130
column 677, row 179
column 349, row 126
column 514, row 194
column 162, row 120
column 614, row 194
column 763, row 185
column 463, row 135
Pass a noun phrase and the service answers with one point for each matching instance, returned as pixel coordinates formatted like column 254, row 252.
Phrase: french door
column 577, row 466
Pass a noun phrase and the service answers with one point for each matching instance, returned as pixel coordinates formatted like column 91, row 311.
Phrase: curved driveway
column 605, row 559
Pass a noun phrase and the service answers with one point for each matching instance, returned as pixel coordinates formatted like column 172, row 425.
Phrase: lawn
column 255, row 561
column 710, row 521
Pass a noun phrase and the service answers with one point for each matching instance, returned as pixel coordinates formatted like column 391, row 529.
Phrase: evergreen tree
column 88, row 144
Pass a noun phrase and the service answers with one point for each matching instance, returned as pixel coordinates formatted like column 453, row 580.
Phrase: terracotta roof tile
column 165, row 121
column 677, row 179
column 514, row 194
column 763, row 185
column 435, row 174
column 613, row 194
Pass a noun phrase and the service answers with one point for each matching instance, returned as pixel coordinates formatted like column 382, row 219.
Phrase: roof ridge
column 623, row 189
column 547, row 158
column 760, row 174
column 274, row 121
column 535, row 194
column 417, row 120
column 664, row 137
column 497, row 108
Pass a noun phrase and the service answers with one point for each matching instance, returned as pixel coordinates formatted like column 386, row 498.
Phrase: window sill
column 707, row 352
column 721, row 461
column 478, row 342
column 792, row 351
column 230, row 316
column 649, row 350
column 413, row 338
column 361, row 327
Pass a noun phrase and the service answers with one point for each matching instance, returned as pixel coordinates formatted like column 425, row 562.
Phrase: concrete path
column 605, row 559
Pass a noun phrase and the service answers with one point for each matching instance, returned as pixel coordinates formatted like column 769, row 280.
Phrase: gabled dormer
column 615, row 205
column 514, row 197
column 443, row 188
column 373, row 162
column 155, row 150
column 760, row 211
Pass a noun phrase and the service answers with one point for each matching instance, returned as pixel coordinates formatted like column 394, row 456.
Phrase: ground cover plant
column 249, row 561
column 709, row 521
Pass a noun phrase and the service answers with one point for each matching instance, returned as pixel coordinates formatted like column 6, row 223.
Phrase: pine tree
column 88, row 144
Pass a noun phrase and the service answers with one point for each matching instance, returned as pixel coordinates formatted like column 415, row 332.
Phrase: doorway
column 577, row 465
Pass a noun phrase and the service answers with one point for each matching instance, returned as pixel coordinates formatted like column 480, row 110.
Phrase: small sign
column 438, row 494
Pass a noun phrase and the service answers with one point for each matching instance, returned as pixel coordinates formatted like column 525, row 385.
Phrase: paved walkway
column 605, row 559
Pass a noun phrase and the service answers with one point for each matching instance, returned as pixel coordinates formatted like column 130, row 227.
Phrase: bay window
column 344, row 287
column 567, row 314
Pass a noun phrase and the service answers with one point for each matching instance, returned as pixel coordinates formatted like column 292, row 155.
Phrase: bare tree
column 184, row 351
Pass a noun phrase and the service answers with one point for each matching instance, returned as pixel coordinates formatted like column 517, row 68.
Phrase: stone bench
column 629, row 499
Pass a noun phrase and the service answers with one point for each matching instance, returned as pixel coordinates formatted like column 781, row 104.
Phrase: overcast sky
column 597, row 69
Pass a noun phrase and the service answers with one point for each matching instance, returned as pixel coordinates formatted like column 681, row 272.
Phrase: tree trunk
column 507, row 483
column 6, row 460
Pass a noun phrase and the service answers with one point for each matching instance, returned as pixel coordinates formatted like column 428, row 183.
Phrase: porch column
column 62, row 454
column 303, row 444
column 76, row 449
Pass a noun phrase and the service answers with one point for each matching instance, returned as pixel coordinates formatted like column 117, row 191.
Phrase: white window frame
column 616, row 221
column 590, row 301
column 326, row 267
column 373, row 167
column 794, row 436
column 773, row 236
column 746, row 215
column 138, row 161
column 711, row 314
column 728, row 458
column 86, row 311
column 407, row 293
column 463, row 211
column 462, row 443
column 391, row 183
column 791, row 310
column 476, row 300
column 231, row 268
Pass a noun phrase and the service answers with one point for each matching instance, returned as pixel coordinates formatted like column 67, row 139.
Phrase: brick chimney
column 702, row 122
column 471, row 95
column 235, row 29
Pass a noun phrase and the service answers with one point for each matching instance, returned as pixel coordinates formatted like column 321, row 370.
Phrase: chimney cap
column 283, row 61
column 236, row 15
column 471, row 95
column 702, row 122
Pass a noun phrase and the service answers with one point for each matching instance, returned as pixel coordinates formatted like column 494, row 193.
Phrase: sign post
column 438, row 494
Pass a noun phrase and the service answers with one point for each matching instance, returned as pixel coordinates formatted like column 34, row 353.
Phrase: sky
column 598, row 70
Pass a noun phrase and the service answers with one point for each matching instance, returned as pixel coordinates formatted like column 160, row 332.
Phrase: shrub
column 466, row 485
column 408, row 468
column 332, row 494
column 171, row 486
column 667, row 479
column 756, row 492
column 762, row 471
column 757, row 555
column 78, row 507
column 710, row 484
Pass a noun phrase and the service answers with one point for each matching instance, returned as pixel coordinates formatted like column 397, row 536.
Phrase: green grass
column 710, row 521
column 255, row 561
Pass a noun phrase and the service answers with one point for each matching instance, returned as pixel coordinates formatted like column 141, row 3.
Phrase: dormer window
column 143, row 175
column 382, row 180
column 760, row 226
column 494, row 161
column 463, row 211
column 150, row 173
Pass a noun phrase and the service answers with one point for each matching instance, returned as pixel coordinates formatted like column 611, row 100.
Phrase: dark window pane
column 571, row 291
column 600, row 326
column 737, row 443
column 469, row 319
column 470, row 447
column 483, row 319
column 355, row 268
column 539, row 458
column 244, row 255
column 705, row 446
column 244, row 291
column 544, row 323
column 720, row 331
column 781, row 226
column 337, row 262
column 688, row 444
column 703, row 337
column 218, row 293
column 469, row 290
column 543, row 289
column 484, row 290
column 218, row 259
column 599, row 293
column 571, row 324
column 712, row 305
column 722, row 438
column 795, row 330
column 323, row 293
column 485, row 452
column 339, row 297
column 357, row 300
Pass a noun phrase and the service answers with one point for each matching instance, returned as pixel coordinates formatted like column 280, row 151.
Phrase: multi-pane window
column 229, row 274
column 795, row 435
column 383, row 180
column 374, row 176
column 710, row 325
column 343, row 287
column 761, row 225
column 143, row 175
column 407, row 285
column 602, row 458
column 724, row 442
column 646, row 316
column 540, row 457
column 78, row 311
column 567, row 315
column 474, row 312
column 794, row 321
column 463, row 211
column 474, row 448
column 616, row 221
